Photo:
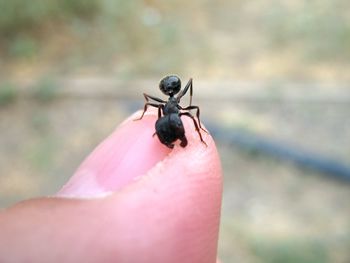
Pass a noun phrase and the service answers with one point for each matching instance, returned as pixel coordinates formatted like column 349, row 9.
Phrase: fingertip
column 131, row 152
column 179, row 202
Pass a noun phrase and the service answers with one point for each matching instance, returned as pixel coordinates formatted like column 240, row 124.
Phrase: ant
column 169, row 126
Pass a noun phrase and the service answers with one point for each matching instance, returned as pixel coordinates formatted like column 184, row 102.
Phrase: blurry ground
column 276, row 68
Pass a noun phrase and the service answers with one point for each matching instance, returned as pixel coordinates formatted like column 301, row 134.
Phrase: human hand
column 131, row 200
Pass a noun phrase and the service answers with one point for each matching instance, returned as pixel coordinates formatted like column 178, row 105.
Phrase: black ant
column 169, row 127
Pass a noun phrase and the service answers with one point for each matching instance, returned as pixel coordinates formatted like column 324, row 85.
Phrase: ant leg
column 197, row 115
column 195, row 124
column 148, row 97
column 160, row 108
column 171, row 145
column 183, row 141
column 146, row 106
column 188, row 86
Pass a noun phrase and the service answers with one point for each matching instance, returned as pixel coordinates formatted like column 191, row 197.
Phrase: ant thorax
column 171, row 106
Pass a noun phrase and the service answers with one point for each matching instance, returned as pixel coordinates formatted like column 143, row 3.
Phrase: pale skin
column 131, row 200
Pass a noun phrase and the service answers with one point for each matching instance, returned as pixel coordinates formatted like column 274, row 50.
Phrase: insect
column 169, row 126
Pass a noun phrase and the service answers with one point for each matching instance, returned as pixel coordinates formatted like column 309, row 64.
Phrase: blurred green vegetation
column 153, row 37
column 18, row 16
column 41, row 155
column 322, row 27
column 238, row 240
column 8, row 93
column 23, row 47
column 291, row 251
column 45, row 90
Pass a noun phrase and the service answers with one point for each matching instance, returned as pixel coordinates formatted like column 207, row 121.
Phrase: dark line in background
column 281, row 150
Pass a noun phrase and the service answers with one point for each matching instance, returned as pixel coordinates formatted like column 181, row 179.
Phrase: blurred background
column 271, row 78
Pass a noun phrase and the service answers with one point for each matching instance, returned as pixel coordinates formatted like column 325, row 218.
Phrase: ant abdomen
column 169, row 128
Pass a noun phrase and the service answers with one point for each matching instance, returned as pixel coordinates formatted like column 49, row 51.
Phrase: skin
column 131, row 200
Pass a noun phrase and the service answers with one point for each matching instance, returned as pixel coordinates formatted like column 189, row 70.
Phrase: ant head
column 170, row 85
